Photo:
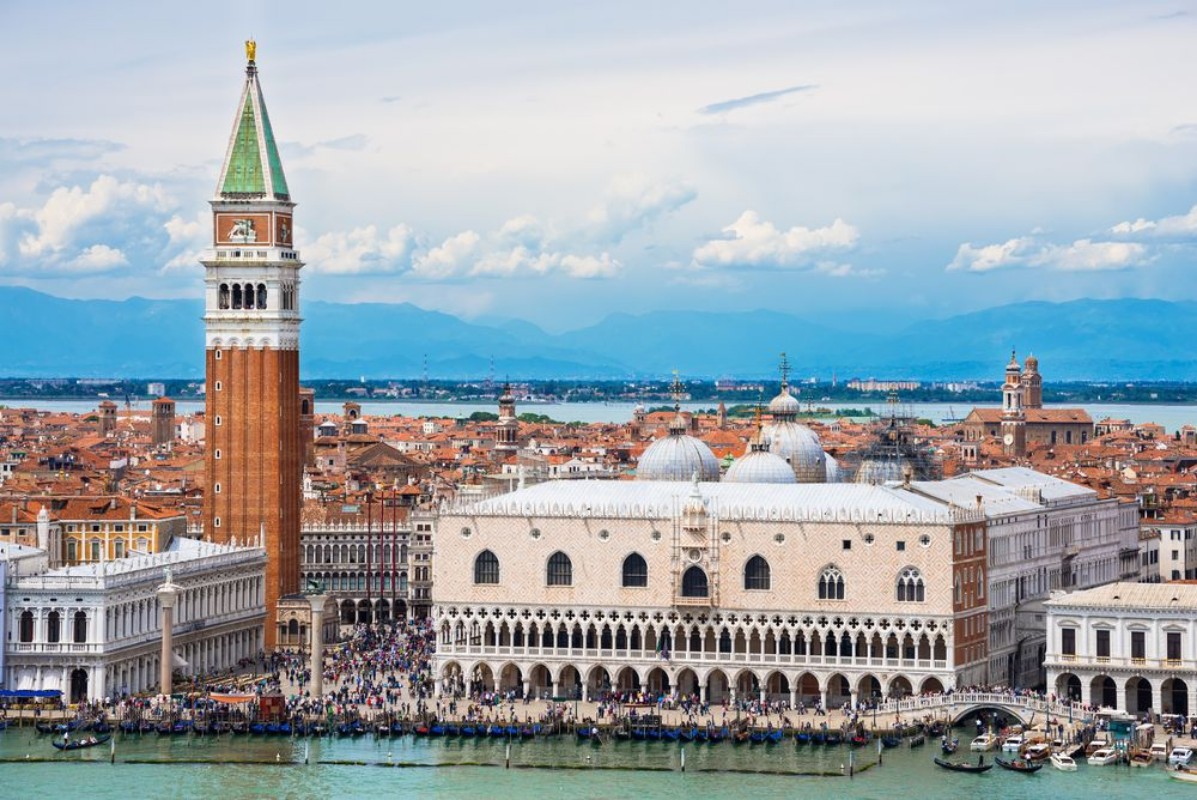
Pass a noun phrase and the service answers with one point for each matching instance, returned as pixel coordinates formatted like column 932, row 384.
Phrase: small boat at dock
column 1063, row 762
column 1019, row 765
column 80, row 744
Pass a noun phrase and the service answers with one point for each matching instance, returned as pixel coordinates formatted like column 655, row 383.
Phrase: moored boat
column 948, row 746
column 1182, row 774
column 1037, row 751
column 982, row 743
column 1142, row 758
column 1063, row 762
column 1104, row 756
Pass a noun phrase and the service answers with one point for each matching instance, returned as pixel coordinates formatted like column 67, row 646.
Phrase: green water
column 226, row 768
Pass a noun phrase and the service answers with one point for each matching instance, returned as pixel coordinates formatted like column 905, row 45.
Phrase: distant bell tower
column 508, row 429
column 1032, row 382
column 254, row 455
column 1014, row 418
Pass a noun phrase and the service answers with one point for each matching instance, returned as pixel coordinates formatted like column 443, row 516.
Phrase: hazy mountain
column 1086, row 339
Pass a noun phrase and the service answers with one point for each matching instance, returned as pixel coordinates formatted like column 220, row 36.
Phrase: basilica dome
column 760, row 466
column 678, row 457
column 799, row 447
column 835, row 473
column 879, row 471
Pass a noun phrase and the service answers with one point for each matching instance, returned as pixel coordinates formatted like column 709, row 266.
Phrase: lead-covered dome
column 678, row 457
column 799, row 447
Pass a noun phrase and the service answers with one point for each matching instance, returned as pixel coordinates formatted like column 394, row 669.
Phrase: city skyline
column 557, row 165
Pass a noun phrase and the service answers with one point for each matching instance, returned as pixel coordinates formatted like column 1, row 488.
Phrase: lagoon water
column 558, row 767
column 1171, row 416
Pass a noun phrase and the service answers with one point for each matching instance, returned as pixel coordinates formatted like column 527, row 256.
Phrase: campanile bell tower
column 254, row 458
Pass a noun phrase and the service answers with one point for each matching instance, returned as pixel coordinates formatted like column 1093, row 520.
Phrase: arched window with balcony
column 25, row 634
column 54, row 627
column 694, row 583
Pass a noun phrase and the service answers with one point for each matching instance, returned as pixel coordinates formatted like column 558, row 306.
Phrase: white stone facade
column 94, row 631
column 786, row 632
column 1127, row 646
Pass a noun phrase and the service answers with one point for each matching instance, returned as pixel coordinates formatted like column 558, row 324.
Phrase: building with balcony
column 93, row 631
column 1126, row 646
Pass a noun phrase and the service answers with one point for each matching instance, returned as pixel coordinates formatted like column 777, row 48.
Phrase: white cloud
column 69, row 209
column 1083, row 255
column 1182, row 226
column 988, row 257
column 633, row 202
column 360, row 251
column 834, row 269
column 754, row 243
column 99, row 258
column 107, row 224
column 455, row 256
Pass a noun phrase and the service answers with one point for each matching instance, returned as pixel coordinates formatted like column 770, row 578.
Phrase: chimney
column 980, row 505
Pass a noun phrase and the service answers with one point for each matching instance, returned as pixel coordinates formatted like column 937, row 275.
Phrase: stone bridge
column 958, row 705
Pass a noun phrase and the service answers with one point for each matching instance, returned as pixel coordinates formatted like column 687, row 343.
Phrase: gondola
column 653, row 734
column 802, row 737
column 961, row 767
column 422, row 730
column 527, row 732
column 890, row 742
column 757, row 737
column 257, row 728
column 80, row 744
column 948, row 746
column 774, row 736
column 918, row 740
column 740, row 737
column 702, row 735
column 436, row 730
column 1019, row 765
column 818, row 737
column 670, row 734
column 496, row 731
column 720, row 735
column 129, row 726
column 467, row 731
column 834, row 738
column 689, row 734
column 937, row 729
column 859, row 740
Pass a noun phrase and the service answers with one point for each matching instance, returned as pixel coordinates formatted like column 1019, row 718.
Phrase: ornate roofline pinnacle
column 251, row 56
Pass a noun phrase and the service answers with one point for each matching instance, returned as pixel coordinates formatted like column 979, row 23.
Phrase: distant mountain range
column 46, row 336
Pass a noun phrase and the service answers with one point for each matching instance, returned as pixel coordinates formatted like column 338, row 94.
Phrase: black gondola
column 1019, row 765
column 961, row 767
column 80, row 744
column 949, row 746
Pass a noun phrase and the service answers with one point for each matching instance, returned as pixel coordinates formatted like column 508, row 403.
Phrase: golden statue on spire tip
column 251, row 50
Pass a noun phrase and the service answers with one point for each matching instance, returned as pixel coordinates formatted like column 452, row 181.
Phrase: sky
column 557, row 162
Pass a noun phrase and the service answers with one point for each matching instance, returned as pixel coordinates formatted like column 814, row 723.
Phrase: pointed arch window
column 911, row 588
column 486, row 568
column 694, row 583
column 757, row 574
column 635, row 571
column 560, row 571
column 831, row 584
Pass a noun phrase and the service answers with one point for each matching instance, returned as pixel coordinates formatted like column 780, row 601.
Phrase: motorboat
column 1141, row 758
column 1104, row 756
column 1182, row 774
column 986, row 741
column 1159, row 751
column 1037, row 751
column 1180, row 757
column 1063, row 762
column 1014, row 743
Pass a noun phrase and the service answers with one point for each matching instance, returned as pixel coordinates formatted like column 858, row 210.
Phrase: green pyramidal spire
column 252, row 167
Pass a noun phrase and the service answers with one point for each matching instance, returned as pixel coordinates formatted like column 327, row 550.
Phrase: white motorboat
column 1104, row 756
column 1063, row 762
column 1159, row 751
column 1013, row 744
column 1182, row 774
column 986, row 741
column 1180, row 757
